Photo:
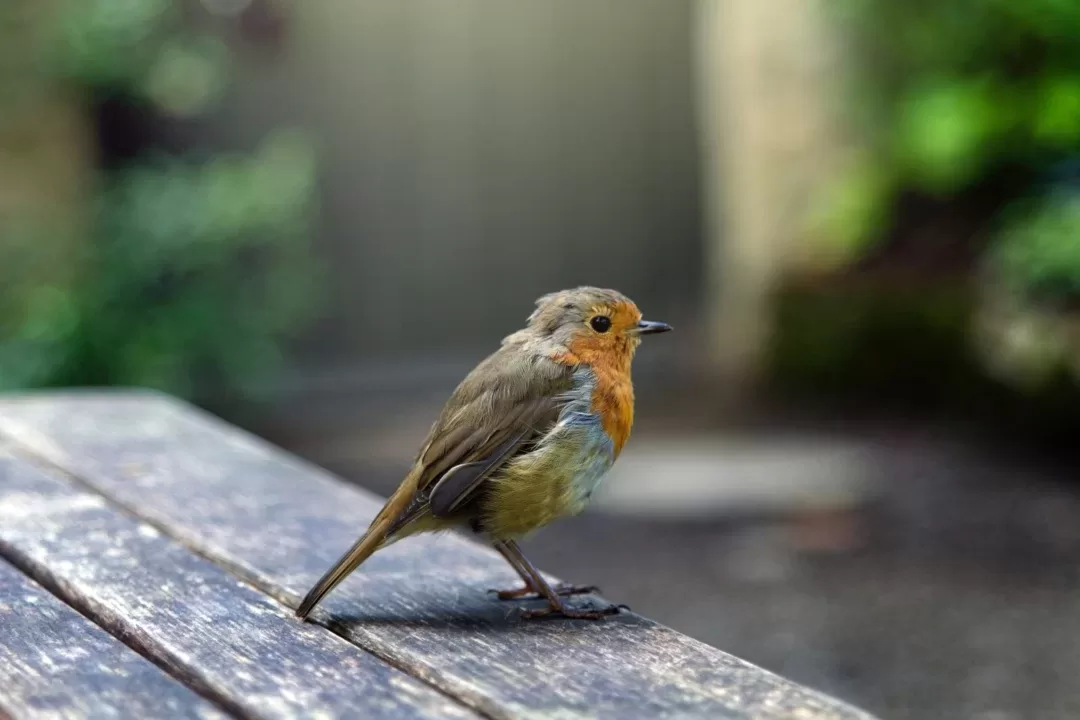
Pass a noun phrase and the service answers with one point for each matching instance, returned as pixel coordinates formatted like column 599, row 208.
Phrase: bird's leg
column 556, row 606
column 528, row 588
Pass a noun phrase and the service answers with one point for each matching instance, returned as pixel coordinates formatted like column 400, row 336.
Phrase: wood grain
column 234, row 644
column 54, row 663
column 279, row 523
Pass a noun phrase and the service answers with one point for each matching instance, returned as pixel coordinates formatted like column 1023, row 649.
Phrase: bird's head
column 593, row 324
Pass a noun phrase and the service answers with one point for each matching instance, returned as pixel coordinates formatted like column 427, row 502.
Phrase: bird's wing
column 499, row 410
column 514, row 433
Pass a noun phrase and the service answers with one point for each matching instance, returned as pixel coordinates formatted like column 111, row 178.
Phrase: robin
column 524, row 440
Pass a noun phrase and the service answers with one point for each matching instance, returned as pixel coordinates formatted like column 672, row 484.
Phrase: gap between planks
column 43, row 578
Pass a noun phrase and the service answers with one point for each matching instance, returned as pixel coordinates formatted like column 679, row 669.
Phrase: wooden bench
column 151, row 555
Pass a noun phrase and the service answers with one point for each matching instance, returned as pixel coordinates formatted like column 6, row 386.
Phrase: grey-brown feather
column 559, row 315
column 457, row 483
column 508, row 401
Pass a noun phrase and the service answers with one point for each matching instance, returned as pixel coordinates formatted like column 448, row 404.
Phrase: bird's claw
column 573, row 613
column 563, row 590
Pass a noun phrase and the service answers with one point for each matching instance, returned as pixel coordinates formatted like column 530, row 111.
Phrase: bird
column 524, row 439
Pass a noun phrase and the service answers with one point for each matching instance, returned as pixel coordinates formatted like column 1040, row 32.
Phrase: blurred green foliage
column 191, row 274
column 948, row 92
column 908, row 350
column 907, row 345
column 143, row 48
column 1037, row 253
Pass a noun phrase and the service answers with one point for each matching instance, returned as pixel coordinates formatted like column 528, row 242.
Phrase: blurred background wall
column 476, row 156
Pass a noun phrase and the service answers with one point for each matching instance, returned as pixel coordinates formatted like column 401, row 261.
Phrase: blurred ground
column 951, row 591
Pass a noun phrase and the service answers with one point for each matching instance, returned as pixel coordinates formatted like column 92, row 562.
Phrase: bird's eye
column 600, row 323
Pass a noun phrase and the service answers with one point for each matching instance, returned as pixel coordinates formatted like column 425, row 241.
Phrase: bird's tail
column 377, row 536
column 358, row 553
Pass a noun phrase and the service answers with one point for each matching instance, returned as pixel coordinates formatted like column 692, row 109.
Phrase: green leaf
column 1037, row 252
column 1056, row 120
column 103, row 42
column 943, row 133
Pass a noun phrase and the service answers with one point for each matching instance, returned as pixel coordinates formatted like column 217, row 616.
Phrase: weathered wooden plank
column 54, row 663
column 236, row 645
column 279, row 523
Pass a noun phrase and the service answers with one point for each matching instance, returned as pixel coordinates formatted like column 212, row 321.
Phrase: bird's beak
column 645, row 327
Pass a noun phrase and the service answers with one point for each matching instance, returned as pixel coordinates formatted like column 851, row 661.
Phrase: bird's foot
column 564, row 610
column 562, row 589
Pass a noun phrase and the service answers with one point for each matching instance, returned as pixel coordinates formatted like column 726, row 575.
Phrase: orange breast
column 613, row 401
column 613, row 396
